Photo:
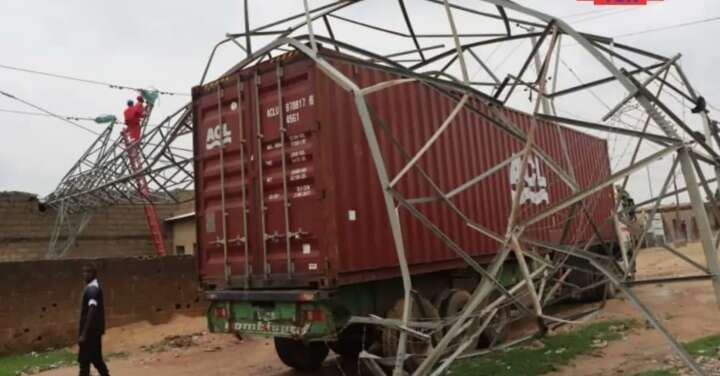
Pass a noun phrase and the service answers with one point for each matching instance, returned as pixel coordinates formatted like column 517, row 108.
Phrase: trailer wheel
column 422, row 310
column 497, row 330
column 301, row 356
column 353, row 340
column 585, row 275
column 451, row 305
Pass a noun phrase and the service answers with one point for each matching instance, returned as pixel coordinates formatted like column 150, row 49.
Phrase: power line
column 669, row 27
column 49, row 113
column 31, row 113
column 595, row 17
column 84, row 80
column 594, row 12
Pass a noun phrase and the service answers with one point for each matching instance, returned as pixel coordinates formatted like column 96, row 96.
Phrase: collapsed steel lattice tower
column 639, row 86
column 104, row 176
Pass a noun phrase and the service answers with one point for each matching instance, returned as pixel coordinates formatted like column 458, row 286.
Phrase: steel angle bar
column 636, row 151
column 330, row 31
column 471, row 262
column 709, row 133
column 459, row 106
column 653, row 100
column 653, row 212
column 559, row 283
column 504, row 124
column 408, row 52
column 398, row 325
column 602, row 81
column 369, row 26
column 484, row 66
column 463, row 35
column 489, row 15
column 386, row 84
column 458, row 46
column 283, row 38
column 463, row 346
column 638, row 66
column 487, row 173
column 635, row 301
column 440, row 194
column 580, row 195
column 708, row 192
column 505, row 19
column 371, row 363
column 659, row 139
column 409, row 25
column 300, row 15
column 677, row 347
column 471, row 45
column 527, row 150
column 636, row 50
column 520, row 258
column 687, row 259
column 374, row 320
column 393, row 216
column 647, row 82
column 478, row 296
column 655, row 281
column 536, row 48
column 309, row 22
column 702, row 221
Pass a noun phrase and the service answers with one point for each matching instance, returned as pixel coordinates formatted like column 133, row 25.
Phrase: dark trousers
column 91, row 353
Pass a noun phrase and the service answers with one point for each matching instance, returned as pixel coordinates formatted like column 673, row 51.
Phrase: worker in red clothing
column 132, row 120
column 140, row 106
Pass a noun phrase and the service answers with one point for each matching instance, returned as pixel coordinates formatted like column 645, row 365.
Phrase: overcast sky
column 165, row 44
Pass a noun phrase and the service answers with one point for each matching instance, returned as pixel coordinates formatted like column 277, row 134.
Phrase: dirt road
column 687, row 309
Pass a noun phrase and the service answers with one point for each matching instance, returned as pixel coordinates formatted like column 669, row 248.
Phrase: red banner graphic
column 621, row 2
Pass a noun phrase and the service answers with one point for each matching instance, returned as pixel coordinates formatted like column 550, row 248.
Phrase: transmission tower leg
column 703, row 223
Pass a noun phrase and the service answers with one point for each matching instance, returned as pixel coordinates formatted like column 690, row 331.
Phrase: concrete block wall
column 40, row 300
column 116, row 231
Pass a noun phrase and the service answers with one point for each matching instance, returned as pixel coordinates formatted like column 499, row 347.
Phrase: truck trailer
column 294, row 239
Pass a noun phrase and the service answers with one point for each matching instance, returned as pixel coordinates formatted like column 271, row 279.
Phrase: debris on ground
column 174, row 342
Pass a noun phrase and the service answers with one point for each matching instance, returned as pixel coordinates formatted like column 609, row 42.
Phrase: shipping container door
column 223, row 126
column 288, row 189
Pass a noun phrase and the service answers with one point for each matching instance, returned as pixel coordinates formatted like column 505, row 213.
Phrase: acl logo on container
column 217, row 136
column 535, row 190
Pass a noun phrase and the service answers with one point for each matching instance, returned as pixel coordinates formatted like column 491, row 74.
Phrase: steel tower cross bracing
column 157, row 171
column 546, row 77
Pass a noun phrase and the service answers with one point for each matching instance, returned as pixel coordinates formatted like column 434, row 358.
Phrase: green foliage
column 555, row 351
column 659, row 372
column 704, row 346
column 707, row 346
column 13, row 365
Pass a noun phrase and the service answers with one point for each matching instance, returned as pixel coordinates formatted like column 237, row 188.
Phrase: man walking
column 92, row 325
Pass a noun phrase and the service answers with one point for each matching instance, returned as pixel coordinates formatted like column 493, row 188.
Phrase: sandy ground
column 686, row 309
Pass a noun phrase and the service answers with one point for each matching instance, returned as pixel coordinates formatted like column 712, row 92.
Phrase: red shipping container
column 334, row 224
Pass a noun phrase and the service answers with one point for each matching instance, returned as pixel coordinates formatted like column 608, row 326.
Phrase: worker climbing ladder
column 135, row 163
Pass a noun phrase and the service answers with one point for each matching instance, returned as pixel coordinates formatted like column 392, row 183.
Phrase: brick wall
column 40, row 300
column 116, row 231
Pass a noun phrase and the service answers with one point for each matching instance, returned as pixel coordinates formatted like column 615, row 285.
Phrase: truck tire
column 306, row 357
column 497, row 331
column 452, row 305
column 353, row 340
column 584, row 279
column 422, row 310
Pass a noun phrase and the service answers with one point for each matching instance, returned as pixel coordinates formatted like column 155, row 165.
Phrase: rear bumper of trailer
column 297, row 314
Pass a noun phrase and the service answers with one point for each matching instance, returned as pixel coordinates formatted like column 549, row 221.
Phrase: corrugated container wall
column 334, row 225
